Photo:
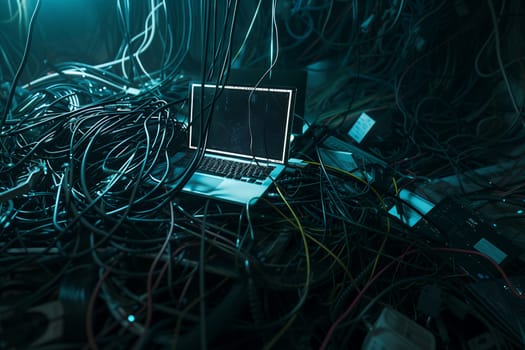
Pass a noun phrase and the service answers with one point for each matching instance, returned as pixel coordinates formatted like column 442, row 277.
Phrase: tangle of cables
column 96, row 231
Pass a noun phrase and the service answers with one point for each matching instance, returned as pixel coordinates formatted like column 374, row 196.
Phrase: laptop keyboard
column 249, row 172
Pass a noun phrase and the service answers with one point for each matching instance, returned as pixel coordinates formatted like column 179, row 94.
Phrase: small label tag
column 489, row 249
column 361, row 127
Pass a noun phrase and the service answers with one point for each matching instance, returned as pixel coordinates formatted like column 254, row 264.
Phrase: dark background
column 103, row 239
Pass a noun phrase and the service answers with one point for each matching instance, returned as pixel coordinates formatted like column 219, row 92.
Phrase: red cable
column 512, row 288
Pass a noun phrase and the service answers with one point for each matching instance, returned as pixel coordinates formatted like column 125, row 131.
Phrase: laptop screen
column 246, row 121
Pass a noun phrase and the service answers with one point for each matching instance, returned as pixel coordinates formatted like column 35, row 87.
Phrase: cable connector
column 31, row 179
column 131, row 90
column 365, row 25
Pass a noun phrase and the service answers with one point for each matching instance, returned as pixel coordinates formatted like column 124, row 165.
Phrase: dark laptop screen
column 246, row 121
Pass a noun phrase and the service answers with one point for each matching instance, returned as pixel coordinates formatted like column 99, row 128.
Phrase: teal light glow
column 131, row 318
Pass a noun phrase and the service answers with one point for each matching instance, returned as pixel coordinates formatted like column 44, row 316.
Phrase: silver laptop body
column 241, row 124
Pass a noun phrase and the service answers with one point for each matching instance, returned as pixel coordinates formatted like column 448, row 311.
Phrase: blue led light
column 131, row 318
column 520, row 211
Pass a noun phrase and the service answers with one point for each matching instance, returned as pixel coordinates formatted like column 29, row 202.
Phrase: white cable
column 146, row 42
column 276, row 34
column 228, row 48
column 24, row 14
column 148, row 39
column 12, row 15
column 148, row 35
column 125, row 57
column 84, row 74
column 500, row 59
column 401, row 5
column 271, row 33
column 248, row 32
column 268, row 71
column 152, row 16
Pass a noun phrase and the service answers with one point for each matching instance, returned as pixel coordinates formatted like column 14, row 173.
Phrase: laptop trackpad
column 202, row 183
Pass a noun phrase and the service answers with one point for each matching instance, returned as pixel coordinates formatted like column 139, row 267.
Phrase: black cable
column 202, row 285
column 21, row 66
column 126, row 17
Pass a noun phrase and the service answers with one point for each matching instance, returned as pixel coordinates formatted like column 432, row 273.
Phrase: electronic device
column 452, row 223
column 359, row 156
column 393, row 330
column 495, row 295
column 289, row 78
column 244, row 132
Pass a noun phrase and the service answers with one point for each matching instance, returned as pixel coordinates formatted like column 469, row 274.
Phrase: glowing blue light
column 131, row 318
column 519, row 211
column 494, row 225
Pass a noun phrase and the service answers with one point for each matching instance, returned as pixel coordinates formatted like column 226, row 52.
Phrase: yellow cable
column 355, row 177
column 279, row 334
column 383, row 243
column 303, row 236
column 395, row 185
column 332, row 254
column 310, row 237
column 360, row 180
column 376, row 260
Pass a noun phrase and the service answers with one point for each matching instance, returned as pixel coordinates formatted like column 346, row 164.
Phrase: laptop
column 244, row 132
